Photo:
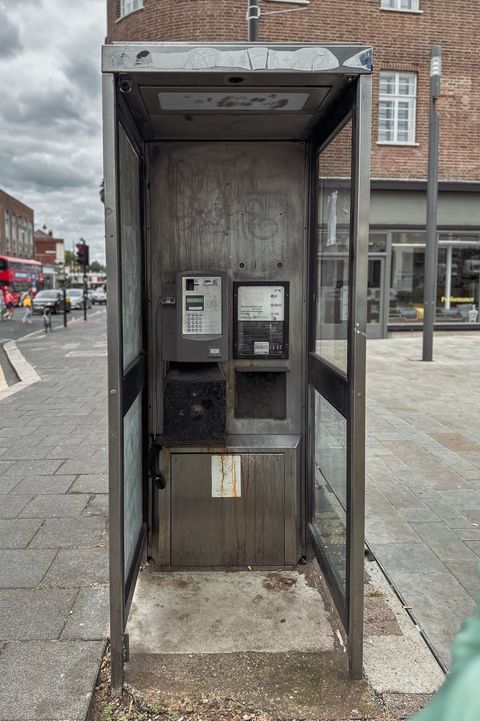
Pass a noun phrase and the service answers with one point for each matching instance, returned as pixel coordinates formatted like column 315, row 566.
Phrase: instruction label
column 261, row 303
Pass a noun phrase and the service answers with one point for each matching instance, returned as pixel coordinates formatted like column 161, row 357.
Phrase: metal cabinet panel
column 211, row 531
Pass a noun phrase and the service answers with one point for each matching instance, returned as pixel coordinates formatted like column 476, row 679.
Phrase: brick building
column 49, row 251
column 16, row 227
column 402, row 33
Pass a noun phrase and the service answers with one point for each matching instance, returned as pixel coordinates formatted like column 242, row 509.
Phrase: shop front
column 458, row 279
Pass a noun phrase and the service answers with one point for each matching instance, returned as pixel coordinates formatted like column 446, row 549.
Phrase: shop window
column 129, row 6
column 397, row 107
column 405, row 5
column 458, row 278
column 458, row 285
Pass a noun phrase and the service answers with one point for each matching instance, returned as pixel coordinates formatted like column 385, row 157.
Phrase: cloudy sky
column 50, row 114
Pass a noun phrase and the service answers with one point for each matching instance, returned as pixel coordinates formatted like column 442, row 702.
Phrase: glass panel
column 458, row 284
column 330, row 466
column 333, row 249
column 131, row 250
column 132, row 488
column 406, row 290
column 377, row 242
column 387, row 83
column 458, row 278
column 374, row 293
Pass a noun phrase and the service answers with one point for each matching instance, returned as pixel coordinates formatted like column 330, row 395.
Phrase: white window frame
column 402, row 6
column 395, row 100
column 127, row 7
column 7, row 225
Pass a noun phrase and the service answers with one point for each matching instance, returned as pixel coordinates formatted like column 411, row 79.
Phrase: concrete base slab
column 216, row 612
column 292, row 685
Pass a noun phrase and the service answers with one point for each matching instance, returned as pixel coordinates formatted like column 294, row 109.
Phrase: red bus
column 18, row 275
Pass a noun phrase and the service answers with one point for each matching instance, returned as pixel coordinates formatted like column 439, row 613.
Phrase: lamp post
column 431, row 250
column 253, row 19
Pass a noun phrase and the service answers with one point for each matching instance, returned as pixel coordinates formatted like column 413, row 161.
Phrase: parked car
column 52, row 299
column 76, row 298
column 99, row 296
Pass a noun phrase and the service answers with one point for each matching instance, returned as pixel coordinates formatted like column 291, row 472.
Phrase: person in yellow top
column 27, row 304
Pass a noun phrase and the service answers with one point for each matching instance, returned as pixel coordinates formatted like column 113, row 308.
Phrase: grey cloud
column 45, row 173
column 14, row 3
column 10, row 42
column 42, row 106
column 85, row 73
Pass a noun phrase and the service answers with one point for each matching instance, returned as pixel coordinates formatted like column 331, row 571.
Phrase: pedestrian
column 10, row 303
column 47, row 320
column 27, row 304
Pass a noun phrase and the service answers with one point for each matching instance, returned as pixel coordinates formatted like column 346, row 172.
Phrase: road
column 15, row 330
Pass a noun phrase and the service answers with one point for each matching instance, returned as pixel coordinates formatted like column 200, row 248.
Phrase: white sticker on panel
column 226, row 476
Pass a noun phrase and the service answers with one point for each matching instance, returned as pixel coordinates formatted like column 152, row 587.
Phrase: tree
column 97, row 267
column 69, row 259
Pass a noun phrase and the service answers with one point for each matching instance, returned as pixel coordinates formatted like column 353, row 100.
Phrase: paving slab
column 11, row 505
column 24, row 568
column 56, row 506
column 442, row 541
column 48, row 679
column 466, row 573
column 72, row 568
column 70, row 532
column 18, row 532
column 89, row 619
column 28, row 614
column 7, row 483
column 90, row 483
column 32, row 469
column 44, row 485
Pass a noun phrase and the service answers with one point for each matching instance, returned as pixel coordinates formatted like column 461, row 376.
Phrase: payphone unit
column 194, row 323
column 195, row 317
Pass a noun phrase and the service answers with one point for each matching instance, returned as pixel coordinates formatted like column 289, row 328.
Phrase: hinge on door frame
column 125, row 647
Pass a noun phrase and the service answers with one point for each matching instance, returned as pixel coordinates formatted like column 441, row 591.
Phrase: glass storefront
column 458, row 278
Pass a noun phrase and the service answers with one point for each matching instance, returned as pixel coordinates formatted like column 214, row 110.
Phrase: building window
column 397, row 107
column 7, row 226
column 129, row 6
column 408, row 5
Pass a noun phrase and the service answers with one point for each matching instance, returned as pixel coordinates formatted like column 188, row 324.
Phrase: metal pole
column 253, row 18
column 431, row 250
column 84, row 286
column 64, row 305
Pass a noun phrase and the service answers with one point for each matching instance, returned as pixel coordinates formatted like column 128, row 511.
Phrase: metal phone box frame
column 211, row 161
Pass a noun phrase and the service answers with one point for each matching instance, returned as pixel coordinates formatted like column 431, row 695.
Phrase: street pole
column 253, row 18
column 85, row 285
column 431, row 250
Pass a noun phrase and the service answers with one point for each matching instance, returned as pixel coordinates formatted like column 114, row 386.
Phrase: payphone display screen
column 260, row 320
column 201, row 305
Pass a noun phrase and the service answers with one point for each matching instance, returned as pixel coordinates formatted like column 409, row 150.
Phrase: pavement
column 423, row 476
column 423, row 509
column 53, row 524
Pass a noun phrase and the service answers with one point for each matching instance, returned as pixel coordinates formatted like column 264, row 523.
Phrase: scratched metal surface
column 234, row 57
column 220, row 205
column 241, row 531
